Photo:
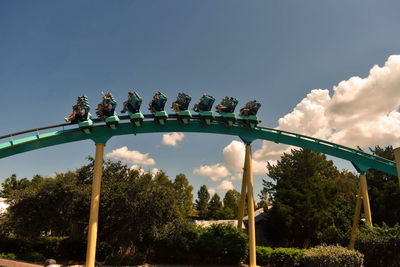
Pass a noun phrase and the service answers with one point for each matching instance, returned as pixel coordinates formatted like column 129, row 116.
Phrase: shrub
column 118, row 259
column 332, row 256
column 220, row 244
column 279, row 257
column 10, row 256
column 380, row 245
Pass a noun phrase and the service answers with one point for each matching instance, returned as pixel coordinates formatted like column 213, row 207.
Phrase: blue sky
column 274, row 51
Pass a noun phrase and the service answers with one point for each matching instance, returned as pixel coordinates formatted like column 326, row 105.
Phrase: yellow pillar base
column 250, row 207
column 94, row 206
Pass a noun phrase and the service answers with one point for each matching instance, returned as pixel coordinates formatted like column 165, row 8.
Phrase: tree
column 202, row 201
column 312, row 201
column 231, row 204
column 215, row 208
column 138, row 212
column 184, row 193
column 384, row 191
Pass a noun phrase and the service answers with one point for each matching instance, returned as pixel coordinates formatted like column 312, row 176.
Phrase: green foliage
column 380, row 245
column 332, row 256
column 279, row 257
column 202, row 201
column 220, row 244
column 10, row 256
column 183, row 193
column 137, row 211
column 384, row 191
column 312, row 200
column 231, row 204
column 214, row 209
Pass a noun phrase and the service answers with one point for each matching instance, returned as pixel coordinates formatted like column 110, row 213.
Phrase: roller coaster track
column 101, row 133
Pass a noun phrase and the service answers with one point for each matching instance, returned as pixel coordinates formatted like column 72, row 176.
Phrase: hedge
column 332, row 256
column 380, row 245
column 279, row 257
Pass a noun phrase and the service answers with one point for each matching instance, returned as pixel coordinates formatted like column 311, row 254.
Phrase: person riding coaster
column 205, row 103
column 158, row 102
column 203, row 107
column 80, row 114
column 156, row 106
column 80, row 111
column 180, row 106
column 132, row 105
column 227, row 105
column 182, row 102
column 106, row 110
column 251, row 108
column 227, row 108
column 249, row 114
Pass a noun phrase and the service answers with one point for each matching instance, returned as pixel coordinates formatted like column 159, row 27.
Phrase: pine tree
column 215, row 208
column 202, row 201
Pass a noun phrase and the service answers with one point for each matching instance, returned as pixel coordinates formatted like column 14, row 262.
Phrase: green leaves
column 306, row 191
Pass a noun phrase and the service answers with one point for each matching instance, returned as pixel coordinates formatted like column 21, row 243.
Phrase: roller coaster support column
column 94, row 206
column 356, row 219
column 365, row 198
column 242, row 203
column 250, row 206
column 397, row 158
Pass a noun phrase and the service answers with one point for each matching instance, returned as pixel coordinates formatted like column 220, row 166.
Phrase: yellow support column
column 242, row 197
column 397, row 158
column 94, row 206
column 356, row 219
column 365, row 198
column 250, row 206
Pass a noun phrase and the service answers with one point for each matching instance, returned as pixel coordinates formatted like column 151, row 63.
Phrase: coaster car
column 226, row 109
column 249, row 114
column 106, row 110
column 203, row 107
column 180, row 106
column 132, row 105
column 156, row 106
column 80, row 115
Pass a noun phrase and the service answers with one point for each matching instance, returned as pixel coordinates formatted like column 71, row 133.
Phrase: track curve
column 102, row 133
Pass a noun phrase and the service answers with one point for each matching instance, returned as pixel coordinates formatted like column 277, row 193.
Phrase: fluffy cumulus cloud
column 172, row 139
column 131, row 156
column 215, row 172
column 232, row 165
column 359, row 112
column 222, row 187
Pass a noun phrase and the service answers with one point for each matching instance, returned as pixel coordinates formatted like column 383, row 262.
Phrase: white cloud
column 222, row 187
column 361, row 112
column 171, row 139
column 234, row 158
column 215, row 172
column 153, row 171
column 131, row 156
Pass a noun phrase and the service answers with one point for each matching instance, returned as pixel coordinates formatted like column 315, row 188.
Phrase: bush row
column 220, row 244
column 326, row 256
column 380, row 245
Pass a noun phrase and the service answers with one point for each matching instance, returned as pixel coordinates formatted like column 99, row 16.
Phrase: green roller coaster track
column 101, row 133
